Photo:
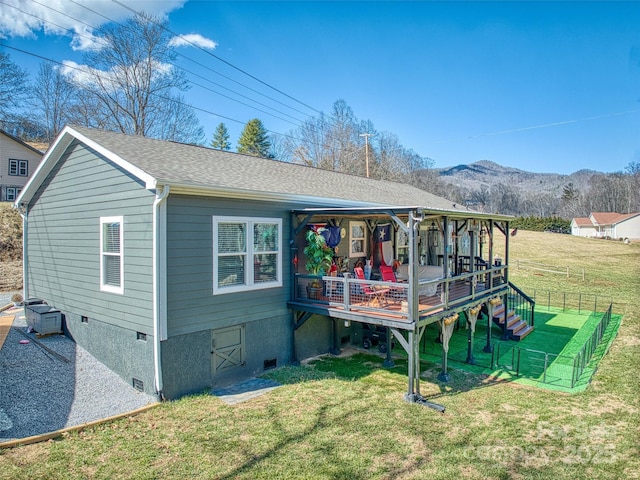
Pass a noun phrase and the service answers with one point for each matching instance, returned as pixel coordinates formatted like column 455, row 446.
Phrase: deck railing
column 522, row 304
column 376, row 296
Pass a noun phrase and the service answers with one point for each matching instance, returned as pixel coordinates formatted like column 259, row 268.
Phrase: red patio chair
column 370, row 292
column 388, row 275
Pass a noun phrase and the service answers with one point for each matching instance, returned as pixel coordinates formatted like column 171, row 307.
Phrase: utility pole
column 366, row 149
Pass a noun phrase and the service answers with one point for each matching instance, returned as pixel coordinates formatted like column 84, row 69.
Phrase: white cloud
column 61, row 17
column 115, row 78
column 192, row 39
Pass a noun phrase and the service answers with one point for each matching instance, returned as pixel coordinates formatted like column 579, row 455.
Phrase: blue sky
column 541, row 86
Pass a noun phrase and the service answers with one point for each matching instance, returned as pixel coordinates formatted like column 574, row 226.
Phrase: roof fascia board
column 181, row 189
column 57, row 149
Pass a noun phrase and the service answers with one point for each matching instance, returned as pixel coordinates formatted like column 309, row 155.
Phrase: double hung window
column 247, row 254
column 12, row 193
column 111, row 255
column 19, row 168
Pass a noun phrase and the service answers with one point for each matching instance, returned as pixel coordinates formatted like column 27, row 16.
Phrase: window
column 402, row 246
column 357, row 239
column 12, row 193
column 111, row 255
column 247, row 254
column 18, row 168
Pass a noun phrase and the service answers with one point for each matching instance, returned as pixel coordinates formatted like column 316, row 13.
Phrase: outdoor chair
column 371, row 293
column 388, row 275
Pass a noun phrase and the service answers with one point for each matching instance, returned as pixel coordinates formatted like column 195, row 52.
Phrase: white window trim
column 363, row 253
column 111, row 288
column 249, row 284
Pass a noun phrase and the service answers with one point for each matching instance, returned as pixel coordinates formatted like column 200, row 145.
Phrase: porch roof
column 456, row 211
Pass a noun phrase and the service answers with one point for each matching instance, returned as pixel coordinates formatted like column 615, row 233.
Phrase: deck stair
column 517, row 329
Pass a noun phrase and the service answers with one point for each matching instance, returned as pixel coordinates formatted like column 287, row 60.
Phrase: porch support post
column 388, row 362
column 490, row 231
column 410, row 395
column 505, row 334
column 335, row 348
column 488, row 348
column 416, row 356
column 447, row 325
column 472, row 261
column 472, row 316
column 294, row 353
column 506, row 256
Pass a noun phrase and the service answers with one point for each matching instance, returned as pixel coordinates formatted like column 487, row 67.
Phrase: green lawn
column 345, row 418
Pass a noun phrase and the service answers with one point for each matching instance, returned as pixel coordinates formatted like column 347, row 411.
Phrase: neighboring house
column 18, row 161
column 607, row 224
column 181, row 267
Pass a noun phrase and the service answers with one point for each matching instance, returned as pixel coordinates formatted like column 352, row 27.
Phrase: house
column 607, row 224
column 18, row 160
column 182, row 267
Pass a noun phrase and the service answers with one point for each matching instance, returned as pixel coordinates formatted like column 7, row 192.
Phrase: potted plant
column 319, row 259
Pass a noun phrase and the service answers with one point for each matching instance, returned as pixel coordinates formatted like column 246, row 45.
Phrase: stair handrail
column 527, row 298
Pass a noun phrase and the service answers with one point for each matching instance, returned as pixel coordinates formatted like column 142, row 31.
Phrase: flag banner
column 384, row 237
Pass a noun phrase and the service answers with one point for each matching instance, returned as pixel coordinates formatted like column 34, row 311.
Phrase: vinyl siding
column 629, row 228
column 10, row 149
column 191, row 305
column 64, row 240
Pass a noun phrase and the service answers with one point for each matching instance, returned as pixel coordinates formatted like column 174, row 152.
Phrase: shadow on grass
column 359, row 365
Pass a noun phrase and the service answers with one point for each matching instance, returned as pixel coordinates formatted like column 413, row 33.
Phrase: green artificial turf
column 545, row 358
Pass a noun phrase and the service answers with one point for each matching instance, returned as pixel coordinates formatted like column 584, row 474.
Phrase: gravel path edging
column 76, row 428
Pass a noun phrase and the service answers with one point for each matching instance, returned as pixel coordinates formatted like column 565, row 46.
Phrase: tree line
column 131, row 85
column 602, row 192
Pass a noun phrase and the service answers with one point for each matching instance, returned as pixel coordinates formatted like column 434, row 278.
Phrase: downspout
column 158, row 296
column 22, row 210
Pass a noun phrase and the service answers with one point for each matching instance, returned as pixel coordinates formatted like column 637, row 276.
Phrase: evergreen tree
column 254, row 139
column 220, row 138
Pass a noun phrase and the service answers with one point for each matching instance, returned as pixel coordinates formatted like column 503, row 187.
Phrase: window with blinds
column 247, row 254
column 111, row 255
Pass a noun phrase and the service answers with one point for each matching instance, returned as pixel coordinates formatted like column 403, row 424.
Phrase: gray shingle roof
column 205, row 168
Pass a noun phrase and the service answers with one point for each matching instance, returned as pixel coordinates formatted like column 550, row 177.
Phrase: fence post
column 579, row 302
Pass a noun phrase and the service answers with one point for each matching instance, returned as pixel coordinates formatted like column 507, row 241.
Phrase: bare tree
column 13, row 85
column 134, row 81
column 53, row 97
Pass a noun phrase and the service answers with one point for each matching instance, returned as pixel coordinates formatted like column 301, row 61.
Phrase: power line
column 244, row 72
column 176, row 66
column 198, row 63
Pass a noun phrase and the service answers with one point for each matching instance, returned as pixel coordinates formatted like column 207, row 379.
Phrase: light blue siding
column 63, row 240
column 192, row 306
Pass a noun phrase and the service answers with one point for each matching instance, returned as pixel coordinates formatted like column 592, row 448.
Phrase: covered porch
column 444, row 263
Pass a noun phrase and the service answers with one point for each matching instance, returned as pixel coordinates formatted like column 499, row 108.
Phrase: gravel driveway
column 51, row 383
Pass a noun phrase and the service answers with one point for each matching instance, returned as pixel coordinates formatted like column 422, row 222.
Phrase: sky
column 548, row 87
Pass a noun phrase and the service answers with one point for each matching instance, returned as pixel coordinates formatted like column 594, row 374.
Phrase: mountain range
column 486, row 173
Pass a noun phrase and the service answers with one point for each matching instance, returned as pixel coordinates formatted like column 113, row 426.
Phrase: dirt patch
column 10, row 248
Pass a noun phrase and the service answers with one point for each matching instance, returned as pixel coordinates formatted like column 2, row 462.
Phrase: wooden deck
column 389, row 307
